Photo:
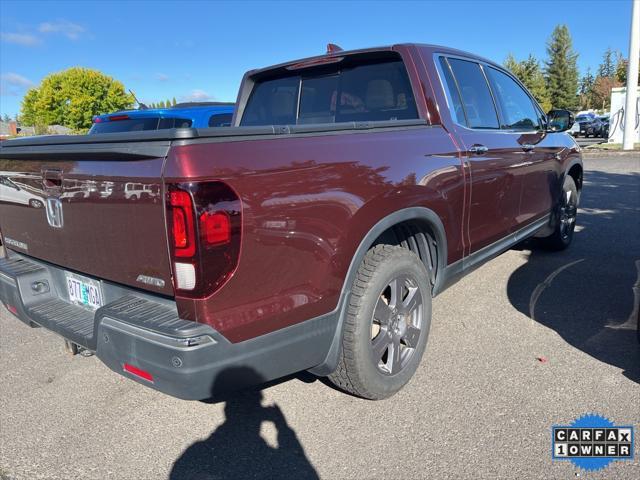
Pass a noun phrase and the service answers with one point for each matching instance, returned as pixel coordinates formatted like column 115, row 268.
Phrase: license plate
column 84, row 291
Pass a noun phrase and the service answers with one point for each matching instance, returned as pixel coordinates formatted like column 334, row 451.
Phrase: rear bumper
column 184, row 359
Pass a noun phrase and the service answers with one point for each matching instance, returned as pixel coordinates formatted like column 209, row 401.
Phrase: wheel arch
column 420, row 218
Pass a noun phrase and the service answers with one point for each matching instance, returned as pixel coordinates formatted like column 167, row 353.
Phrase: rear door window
column 518, row 111
column 373, row 91
column 477, row 102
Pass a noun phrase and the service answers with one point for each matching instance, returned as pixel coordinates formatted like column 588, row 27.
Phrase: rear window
column 375, row 91
column 139, row 124
column 220, row 120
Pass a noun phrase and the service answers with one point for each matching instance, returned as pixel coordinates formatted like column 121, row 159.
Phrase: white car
column 12, row 193
column 575, row 129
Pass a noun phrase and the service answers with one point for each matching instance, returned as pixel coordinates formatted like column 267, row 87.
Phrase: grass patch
column 609, row 146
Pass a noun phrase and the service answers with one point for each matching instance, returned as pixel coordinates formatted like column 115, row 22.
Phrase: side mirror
column 559, row 120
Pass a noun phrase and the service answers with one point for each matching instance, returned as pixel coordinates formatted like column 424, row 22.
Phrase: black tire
column 567, row 211
column 377, row 316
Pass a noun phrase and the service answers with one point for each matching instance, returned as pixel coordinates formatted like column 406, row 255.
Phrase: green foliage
column 168, row 104
column 72, row 97
column 530, row 74
column 607, row 68
column 586, row 90
column 561, row 69
column 173, row 102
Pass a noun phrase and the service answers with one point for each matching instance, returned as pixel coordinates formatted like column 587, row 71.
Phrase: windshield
column 584, row 118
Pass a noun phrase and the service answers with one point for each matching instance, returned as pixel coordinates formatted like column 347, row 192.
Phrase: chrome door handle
column 478, row 149
column 527, row 147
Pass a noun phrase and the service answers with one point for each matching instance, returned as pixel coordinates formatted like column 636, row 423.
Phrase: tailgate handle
column 52, row 179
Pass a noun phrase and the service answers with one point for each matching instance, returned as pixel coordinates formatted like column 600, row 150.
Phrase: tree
column 168, row 104
column 173, row 102
column 606, row 79
column 161, row 103
column 72, row 97
column 529, row 73
column 607, row 68
column 602, row 91
column 6, row 118
column 621, row 70
column 586, row 90
column 561, row 69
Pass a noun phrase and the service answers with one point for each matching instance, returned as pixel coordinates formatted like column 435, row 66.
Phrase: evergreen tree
column 168, row 104
column 529, row 73
column 586, row 90
column 173, row 102
column 607, row 68
column 561, row 69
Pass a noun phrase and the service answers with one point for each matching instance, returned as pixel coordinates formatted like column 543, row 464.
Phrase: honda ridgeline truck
column 312, row 234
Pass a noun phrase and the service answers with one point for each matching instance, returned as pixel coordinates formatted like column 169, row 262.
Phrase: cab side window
column 518, row 111
column 477, row 102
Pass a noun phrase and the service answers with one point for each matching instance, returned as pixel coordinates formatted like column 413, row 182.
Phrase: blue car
column 182, row 115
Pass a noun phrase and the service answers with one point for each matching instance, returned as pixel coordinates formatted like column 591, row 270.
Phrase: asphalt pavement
column 529, row 340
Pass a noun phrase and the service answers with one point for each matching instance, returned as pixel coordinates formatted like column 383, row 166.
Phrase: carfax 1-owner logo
column 592, row 442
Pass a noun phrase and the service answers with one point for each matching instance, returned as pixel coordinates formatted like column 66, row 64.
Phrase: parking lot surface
column 529, row 340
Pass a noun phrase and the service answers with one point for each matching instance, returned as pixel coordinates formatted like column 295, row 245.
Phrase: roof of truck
column 385, row 48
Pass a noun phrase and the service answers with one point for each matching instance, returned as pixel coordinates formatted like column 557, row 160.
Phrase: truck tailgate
column 94, row 209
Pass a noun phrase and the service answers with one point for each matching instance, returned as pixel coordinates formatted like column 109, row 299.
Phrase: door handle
column 527, row 147
column 478, row 149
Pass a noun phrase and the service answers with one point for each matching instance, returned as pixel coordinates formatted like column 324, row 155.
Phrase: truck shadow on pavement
column 589, row 294
column 235, row 449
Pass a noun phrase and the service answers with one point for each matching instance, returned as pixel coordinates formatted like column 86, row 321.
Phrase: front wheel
column 387, row 324
column 566, row 217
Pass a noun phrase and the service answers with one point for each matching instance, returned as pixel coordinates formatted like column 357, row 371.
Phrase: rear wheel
column 387, row 324
column 566, row 221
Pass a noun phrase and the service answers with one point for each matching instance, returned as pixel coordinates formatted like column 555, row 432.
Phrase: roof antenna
column 141, row 106
column 333, row 48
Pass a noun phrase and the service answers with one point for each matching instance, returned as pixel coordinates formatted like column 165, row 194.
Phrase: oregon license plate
column 84, row 291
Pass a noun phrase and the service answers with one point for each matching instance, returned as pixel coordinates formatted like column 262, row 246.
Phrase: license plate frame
column 83, row 291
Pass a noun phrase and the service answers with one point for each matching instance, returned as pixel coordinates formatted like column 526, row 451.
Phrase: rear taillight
column 183, row 229
column 204, row 224
column 115, row 118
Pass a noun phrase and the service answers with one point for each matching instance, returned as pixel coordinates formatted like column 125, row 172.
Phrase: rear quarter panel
column 307, row 203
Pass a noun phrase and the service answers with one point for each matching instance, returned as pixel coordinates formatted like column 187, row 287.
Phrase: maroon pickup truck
column 311, row 235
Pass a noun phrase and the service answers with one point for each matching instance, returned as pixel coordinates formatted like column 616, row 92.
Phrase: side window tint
column 457, row 112
column 220, row 120
column 518, row 112
column 476, row 97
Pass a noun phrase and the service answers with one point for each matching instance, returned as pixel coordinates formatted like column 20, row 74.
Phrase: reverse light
column 138, row 372
column 185, row 276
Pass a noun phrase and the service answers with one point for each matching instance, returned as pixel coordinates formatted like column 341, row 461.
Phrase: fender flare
column 412, row 213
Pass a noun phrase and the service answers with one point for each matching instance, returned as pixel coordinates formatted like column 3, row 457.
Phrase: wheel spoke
column 411, row 336
column 382, row 312
column 412, row 300
column 394, row 352
column 380, row 344
column 397, row 284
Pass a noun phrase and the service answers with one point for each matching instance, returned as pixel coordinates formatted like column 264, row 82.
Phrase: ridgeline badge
column 591, row 442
